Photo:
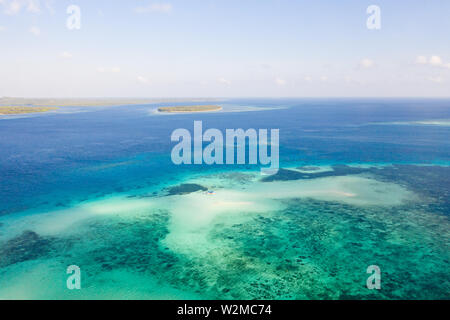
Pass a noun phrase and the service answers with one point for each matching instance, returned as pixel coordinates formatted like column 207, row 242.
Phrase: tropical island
column 9, row 110
column 183, row 109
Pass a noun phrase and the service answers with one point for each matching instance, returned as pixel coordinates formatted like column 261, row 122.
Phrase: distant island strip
column 9, row 110
column 95, row 102
column 15, row 106
column 184, row 109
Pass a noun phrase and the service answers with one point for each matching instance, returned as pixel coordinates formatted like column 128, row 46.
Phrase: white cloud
column 12, row 7
column 434, row 61
column 35, row 30
column 366, row 63
column 155, row 8
column 34, row 6
column 66, row 55
column 224, row 81
column 2, row 28
column 280, row 82
column 143, row 80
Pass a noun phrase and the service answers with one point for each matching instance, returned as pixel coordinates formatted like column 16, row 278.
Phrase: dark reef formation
column 286, row 174
column 185, row 189
column 27, row 246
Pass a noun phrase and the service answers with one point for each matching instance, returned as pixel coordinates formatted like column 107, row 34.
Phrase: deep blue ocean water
column 63, row 155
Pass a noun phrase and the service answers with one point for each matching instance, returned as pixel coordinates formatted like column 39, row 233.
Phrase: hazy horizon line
column 223, row 98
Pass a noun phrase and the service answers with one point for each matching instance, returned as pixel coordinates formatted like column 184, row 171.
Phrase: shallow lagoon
column 297, row 239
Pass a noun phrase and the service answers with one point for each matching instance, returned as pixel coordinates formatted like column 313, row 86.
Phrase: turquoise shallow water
column 92, row 189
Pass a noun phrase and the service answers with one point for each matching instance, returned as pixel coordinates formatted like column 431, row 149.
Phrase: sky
column 224, row 48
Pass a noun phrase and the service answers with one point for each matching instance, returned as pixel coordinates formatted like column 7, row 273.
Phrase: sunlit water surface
column 363, row 182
